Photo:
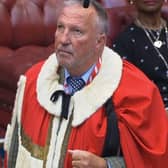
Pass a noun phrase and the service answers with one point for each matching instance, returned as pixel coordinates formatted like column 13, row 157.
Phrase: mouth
column 150, row 2
column 64, row 52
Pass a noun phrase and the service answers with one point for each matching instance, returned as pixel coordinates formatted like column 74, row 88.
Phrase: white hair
column 101, row 21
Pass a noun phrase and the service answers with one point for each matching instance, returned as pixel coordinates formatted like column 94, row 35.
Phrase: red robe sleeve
column 142, row 119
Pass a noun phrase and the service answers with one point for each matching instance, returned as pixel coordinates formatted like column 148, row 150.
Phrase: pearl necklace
column 157, row 43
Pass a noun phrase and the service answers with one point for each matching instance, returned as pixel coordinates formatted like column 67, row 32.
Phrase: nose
column 65, row 37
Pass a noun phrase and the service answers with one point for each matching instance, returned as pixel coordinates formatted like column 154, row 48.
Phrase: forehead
column 77, row 13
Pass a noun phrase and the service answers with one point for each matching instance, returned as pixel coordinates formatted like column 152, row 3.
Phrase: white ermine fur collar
column 86, row 101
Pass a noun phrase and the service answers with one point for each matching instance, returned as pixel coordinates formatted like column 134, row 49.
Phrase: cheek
column 84, row 44
column 81, row 48
column 56, row 41
column 83, row 52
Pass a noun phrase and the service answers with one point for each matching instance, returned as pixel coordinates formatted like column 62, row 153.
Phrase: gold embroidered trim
column 35, row 150
column 48, row 143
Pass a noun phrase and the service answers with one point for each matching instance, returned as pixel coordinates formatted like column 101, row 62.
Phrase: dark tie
column 75, row 83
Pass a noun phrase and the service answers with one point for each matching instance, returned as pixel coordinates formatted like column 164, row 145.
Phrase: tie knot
column 75, row 83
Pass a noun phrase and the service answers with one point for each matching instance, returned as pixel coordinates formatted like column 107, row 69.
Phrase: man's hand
column 84, row 159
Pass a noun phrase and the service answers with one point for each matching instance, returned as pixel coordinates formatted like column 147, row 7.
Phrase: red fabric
column 35, row 120
column 89, row 136
column 143, row 136
column 143, row 141
column 5, row 161
column 1, row 162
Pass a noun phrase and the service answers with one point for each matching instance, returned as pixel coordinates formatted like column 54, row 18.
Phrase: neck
column 80, row 70
column 153, row 22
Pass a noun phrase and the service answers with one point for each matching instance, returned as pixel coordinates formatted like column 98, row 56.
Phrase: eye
column 60, row 27
column 77, row 32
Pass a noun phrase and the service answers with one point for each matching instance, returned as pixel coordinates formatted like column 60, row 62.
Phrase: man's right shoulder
column 35, row 69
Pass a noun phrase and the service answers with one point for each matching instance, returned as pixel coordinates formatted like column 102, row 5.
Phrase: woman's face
column 148, row 6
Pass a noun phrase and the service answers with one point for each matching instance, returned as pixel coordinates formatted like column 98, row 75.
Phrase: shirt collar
column 85, row 76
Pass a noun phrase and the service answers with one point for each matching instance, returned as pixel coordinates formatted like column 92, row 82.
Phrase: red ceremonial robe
column 141, row 119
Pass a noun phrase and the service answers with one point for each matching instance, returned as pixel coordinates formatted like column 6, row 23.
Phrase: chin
column 64, row 63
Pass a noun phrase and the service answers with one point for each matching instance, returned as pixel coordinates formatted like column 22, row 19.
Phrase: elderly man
column 84, row 107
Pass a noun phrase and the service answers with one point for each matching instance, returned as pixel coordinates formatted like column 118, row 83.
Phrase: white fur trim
column 8, row 137
column 21, row 87
column 53, row 140
column 91, row 97
column 47, row 83
column 16, row 111
column 25, row 160
column 88, row 100
column 57, row 140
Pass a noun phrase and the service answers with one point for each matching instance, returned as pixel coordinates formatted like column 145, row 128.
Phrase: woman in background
column 145, row 43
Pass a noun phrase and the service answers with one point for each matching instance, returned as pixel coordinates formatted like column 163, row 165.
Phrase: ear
column 101, row 40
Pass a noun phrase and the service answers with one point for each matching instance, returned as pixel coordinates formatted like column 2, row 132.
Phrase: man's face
column 148, row 6
column 76, row 38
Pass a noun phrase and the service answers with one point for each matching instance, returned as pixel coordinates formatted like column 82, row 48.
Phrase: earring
column 131, row 2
